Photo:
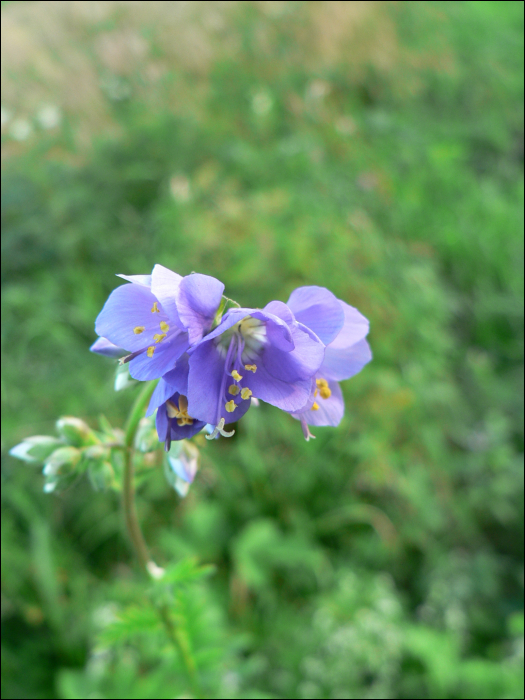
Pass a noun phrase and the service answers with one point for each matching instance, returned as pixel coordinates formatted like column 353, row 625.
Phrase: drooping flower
column 170, row 400
column 156, row 318
column 347, row 352
column 263, row 353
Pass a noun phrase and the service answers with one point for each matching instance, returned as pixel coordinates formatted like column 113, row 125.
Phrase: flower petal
column 198, row 299
column 205, row 383
column 162, row 424
column 184, row 432
column 127, row 309
column 164, row 285
column 329, row 412
column 103, row 346
column 318, row 309
column 163, row 360
column 280, row 321
column 280, row 333
column 286, row 395
column 343, row 363
column 301, row 363
column 174, row 381
column 162, row 393
column 354, row 329
column 144, row 280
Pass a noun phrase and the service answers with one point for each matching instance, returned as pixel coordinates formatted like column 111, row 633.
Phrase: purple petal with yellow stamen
column 168, row 428
column 127, row 308
column 317, row 308
column 330, row 411
column 163, row 360
column 164, row 285
column 174, row 381
column 290, row 396
column 343, row 363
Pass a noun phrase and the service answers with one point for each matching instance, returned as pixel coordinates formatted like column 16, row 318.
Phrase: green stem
column 128, row 490
column 147, row 565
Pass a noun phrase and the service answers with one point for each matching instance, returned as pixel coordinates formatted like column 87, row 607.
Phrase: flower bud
column 62, row 461
column 99, row 469
column 180, row 466
column 101, row 475
column 35, row 449
column 59, row 468
column 75, row 432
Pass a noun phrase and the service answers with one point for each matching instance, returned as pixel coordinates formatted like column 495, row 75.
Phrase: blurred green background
column 375, row 148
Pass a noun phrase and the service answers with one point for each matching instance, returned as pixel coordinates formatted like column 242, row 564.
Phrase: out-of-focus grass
column 374, row 148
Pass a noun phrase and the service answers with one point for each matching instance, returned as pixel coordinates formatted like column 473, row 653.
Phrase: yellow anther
column 155, row 309
column 251, row 368
column 321, row 383
column 158, row 337
column 139, row 329
column 316, row 392
column 230, row 406
column 179, row 412
column 246, row 393
column 236, row 376
column 325, row 392
column 164, row 327
column 315, row 407
column 172, row 410
column 233, row 389
column 150, row 351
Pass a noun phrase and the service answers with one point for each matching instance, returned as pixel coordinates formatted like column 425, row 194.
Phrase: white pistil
column 219, row 429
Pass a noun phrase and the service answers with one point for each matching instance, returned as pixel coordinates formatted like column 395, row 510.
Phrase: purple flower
column 347, row 352
column 264, row 353
column 156, row 318
column 170, row 399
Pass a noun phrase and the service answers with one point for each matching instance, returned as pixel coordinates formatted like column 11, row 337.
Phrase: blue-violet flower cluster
column 212, row 365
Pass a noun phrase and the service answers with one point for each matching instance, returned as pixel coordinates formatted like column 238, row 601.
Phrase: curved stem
column 147, row 565
column 128, row 490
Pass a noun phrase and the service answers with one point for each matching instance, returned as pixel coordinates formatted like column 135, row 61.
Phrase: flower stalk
column 128, row 488
column 147, row 565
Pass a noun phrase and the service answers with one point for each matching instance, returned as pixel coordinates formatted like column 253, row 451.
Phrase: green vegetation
column 383, row 559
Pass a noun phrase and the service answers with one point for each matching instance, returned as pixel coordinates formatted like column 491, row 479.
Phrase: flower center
column 253, row 334
column 179, row 412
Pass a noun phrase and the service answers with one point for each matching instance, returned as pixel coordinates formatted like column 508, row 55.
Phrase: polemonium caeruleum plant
column 204, row 361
